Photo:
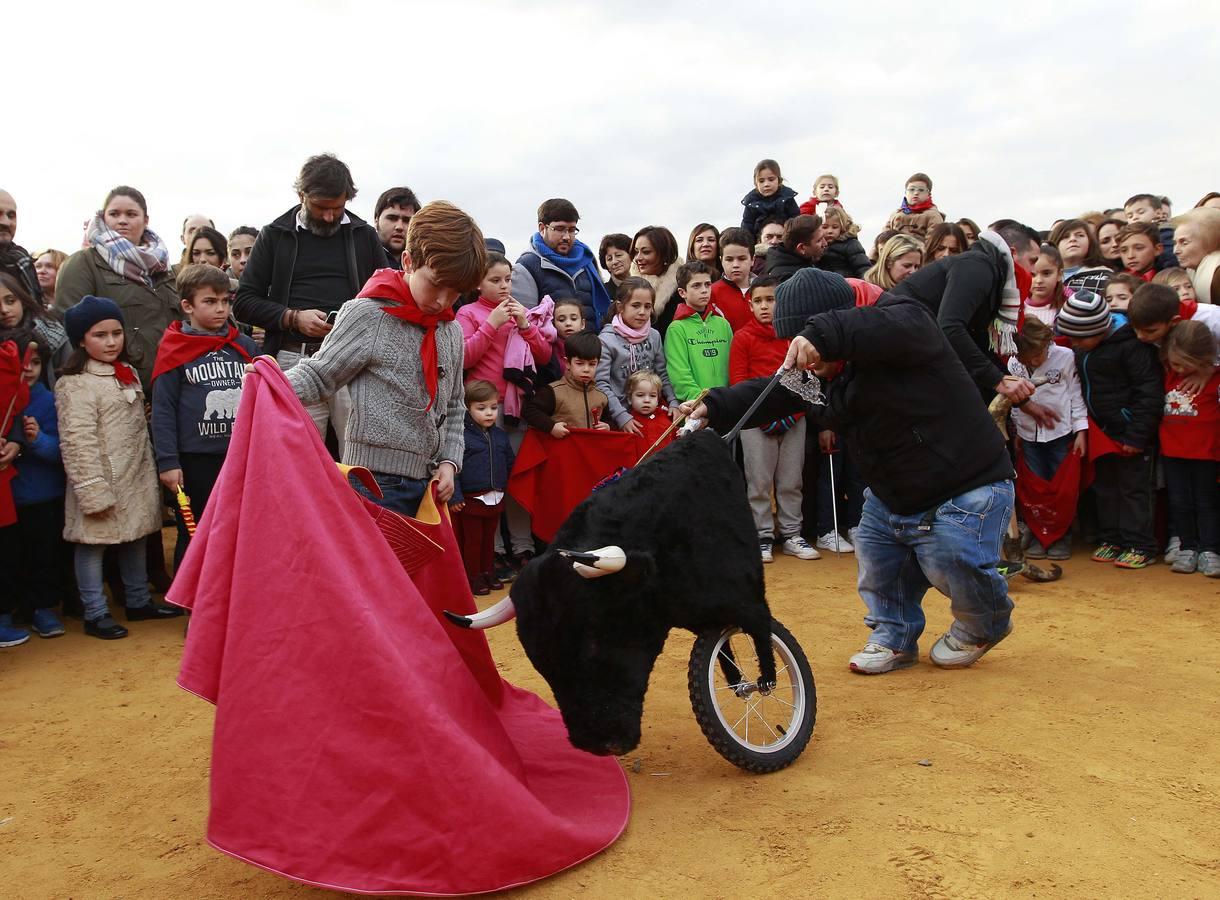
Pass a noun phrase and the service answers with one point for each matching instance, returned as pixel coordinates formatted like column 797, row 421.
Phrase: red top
column 755, row 352
column 732, row 302
column 1190, row 426
column 654, row 426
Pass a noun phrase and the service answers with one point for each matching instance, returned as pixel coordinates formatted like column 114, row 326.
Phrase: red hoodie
column 755, row 352
column 732, row 302
column 1190, row 427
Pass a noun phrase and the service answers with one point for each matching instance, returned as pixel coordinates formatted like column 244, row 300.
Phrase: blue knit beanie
column 80, row 318
column 807, row 293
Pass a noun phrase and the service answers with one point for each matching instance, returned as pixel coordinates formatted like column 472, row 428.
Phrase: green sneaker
column 1107, row 553
column 1134, row 559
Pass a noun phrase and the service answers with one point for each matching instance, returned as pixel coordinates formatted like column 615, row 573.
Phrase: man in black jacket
column 803, row 245
column 392, row 215
column 939, row 476
column 303, row 267
column 14, row 260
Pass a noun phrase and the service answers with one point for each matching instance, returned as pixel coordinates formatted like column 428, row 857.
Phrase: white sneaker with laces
column 800, row 548
column 834, row 542
column 951, row 653
column 765, row 549
column 876, row 659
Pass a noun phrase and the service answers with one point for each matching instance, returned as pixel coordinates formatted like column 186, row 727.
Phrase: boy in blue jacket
column 32, row 548
column 478, row 495
column 196, row 388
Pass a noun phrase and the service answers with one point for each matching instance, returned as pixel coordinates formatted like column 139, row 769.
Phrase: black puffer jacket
column 757, row 207
column 963, row 292
column 783, row 263
column 1121, row 380
column 907, row 411
column 845, row 257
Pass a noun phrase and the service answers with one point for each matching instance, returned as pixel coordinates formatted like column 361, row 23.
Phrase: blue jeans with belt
column 954, row 548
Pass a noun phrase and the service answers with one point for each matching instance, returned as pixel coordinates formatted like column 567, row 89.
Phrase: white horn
column 488, row 618
column 596, row 563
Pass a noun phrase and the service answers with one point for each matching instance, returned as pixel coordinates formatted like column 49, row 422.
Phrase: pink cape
column 361, row 742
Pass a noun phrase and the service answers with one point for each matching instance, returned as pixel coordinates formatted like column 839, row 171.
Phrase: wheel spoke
column 760, row 718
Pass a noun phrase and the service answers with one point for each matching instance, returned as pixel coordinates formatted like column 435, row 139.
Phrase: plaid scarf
column 137, row 264
column 18, row 261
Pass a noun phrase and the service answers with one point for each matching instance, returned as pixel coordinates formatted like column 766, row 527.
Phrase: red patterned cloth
column 1048, row 507
column 362, row 743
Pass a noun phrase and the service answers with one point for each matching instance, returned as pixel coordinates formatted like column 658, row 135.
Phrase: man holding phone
column 303, row 267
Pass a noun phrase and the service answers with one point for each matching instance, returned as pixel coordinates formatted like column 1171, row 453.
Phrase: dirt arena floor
column 1078, row 759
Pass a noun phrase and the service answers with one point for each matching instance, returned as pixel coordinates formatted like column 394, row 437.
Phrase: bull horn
column 488, row 618
column 596, row 563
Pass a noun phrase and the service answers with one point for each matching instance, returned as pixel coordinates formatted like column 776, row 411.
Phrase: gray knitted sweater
column 378, row 357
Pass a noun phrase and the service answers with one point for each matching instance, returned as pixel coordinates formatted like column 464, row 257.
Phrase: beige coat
column 113, row 494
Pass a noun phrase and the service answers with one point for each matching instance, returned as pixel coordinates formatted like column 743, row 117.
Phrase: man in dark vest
column 303, row 267
column 559, row 265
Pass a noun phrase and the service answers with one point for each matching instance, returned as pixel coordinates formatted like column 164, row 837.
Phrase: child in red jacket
column 644, row 392
column 774, row 454
column 1190, row 447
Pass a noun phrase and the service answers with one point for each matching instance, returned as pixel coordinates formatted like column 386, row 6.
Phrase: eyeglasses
column 570, row 230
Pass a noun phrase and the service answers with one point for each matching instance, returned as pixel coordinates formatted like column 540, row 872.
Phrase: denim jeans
column 954, row 548
column 1045, row 457
column 88, row 565
column 401, row 494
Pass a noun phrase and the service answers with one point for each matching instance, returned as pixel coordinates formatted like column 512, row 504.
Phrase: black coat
column 757, row 207
column 963, row 292
column 1121, row 379
column 908, row 413
column 784, row 263
column 266, row 282
column 845, row 257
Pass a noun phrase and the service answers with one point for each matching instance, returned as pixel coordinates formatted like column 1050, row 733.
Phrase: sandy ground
column 1079, row 759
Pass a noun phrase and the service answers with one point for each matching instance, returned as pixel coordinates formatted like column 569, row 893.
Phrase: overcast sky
column 640, row 113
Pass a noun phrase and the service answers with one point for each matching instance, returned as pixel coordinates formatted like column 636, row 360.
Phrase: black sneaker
column 520, row 559
column 152, row 611
column 503, row 569
column 105, row 628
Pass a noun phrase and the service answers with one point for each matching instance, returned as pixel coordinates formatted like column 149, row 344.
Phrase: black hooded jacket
column 908, row 413
column 845, row 257
column 1121, row 380
column 784, row 263
column 963, row 292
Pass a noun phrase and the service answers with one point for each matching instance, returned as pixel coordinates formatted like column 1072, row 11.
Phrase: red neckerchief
column 685, row 312
column 125, row 374
column 178, row 348
column 1188, row 308
column 918, row 207
column 390, row 284
column 1146, row 275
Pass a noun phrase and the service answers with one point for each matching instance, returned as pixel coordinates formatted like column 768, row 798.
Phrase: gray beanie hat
column 807, row 293
column 1085, row 314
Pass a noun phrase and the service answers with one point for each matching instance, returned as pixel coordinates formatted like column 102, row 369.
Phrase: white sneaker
column 1171, row 552
column 875, row 659
column 834, row 542
column 950, row 653
column 799, row 547
column 764, row 548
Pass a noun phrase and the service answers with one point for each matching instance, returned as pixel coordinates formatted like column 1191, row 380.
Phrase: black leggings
column 1194, row 507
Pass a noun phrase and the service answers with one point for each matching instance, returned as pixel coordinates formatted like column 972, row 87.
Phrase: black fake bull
column 677, row 548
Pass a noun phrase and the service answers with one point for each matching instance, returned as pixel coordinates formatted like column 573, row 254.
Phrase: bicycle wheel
column 757, row 729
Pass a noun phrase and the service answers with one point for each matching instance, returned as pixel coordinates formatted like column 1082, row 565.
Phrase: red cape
column 361, row 742
column 1048, row 507
column 14, row 398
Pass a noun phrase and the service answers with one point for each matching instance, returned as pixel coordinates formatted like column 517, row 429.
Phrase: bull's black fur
column 693, row 562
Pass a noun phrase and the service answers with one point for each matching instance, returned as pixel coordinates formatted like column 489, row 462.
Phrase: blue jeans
column 1045, row 457
column 401, row 494
column 954, row 548
column 88, row 565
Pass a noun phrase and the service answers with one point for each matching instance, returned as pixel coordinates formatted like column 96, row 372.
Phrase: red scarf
column 918, row 207
column 125, row 374
column 1187, row 308
column 685, row 312
column 178, row 348
column 1146, row 275
column 390, row 284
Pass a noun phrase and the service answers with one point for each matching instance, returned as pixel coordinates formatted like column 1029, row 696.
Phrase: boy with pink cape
column 361, row 743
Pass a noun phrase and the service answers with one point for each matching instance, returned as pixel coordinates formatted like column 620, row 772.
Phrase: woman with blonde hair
column 1196, row 243
column 901, row 255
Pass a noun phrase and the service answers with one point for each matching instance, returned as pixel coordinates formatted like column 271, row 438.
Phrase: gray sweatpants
column 775, row 464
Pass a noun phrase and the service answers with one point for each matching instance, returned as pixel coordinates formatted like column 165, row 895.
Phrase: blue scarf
column 579, row 259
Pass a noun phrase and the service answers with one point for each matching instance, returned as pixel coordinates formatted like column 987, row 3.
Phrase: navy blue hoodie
column 486, row 463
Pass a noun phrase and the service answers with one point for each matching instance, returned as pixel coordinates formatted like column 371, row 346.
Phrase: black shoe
column 152, row 611
column 522, row 558
column 503, row 569
column 478, row 586
column 492, row 581
column 105, row 628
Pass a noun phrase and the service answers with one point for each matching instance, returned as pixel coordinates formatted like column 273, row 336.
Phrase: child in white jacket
column 1041, row 360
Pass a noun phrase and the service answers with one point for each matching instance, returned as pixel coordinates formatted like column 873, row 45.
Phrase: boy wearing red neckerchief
column 195, row 389
column 398, row 348
column 918, row 213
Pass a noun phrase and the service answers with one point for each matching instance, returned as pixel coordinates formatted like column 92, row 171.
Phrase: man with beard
column 392, row 215
column 14, row 260
column 303, row 267
column 803, row 245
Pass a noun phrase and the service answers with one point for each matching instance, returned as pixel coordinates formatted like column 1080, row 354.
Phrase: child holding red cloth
column 196, row 388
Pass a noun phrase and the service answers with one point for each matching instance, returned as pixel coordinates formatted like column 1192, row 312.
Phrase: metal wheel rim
column 739, row 718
